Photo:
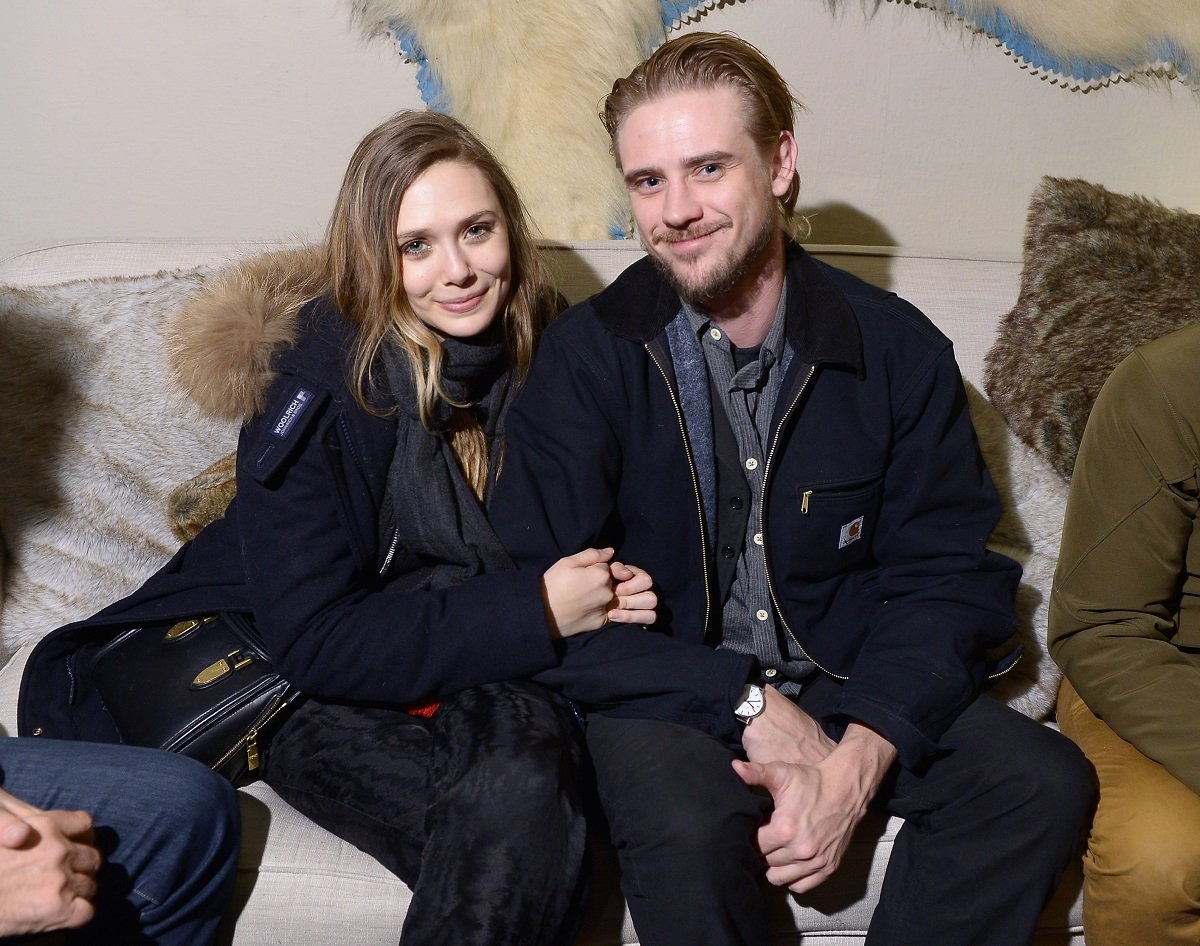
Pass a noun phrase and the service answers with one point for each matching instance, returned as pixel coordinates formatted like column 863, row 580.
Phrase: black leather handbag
column 205, row 688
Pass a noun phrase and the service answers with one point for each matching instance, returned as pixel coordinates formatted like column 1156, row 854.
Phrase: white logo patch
column 851, row 532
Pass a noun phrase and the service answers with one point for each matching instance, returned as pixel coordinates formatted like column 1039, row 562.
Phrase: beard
column 700, row 289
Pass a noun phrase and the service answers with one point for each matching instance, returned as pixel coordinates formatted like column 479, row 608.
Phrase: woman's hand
column 585, row 590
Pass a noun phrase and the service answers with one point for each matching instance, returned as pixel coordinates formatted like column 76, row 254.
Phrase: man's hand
column 634, row 600
column 584, row 591
column 817, row 806
column 783, row 732
column 48, row 865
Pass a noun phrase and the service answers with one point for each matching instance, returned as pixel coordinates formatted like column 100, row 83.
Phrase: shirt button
column 752, row 464
column 736, row 502
column 769, row 674
column 761, row 614
column 714, row 334
column 758, row 538
column 727, row 551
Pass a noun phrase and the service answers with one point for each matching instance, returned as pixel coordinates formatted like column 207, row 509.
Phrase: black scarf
column 429, row 508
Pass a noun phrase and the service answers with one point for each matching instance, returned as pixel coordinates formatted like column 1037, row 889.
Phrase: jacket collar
column 821, row 325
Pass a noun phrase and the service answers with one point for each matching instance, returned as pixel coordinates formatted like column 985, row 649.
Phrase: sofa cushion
column 1103, row 273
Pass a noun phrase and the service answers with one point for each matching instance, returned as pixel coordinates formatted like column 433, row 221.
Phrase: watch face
column 753, row 702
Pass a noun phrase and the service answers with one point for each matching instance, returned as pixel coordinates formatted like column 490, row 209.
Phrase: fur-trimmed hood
column 221, row 343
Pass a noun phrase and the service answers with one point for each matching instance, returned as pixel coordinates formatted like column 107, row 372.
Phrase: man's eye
column 648, row 183
column 709, row 170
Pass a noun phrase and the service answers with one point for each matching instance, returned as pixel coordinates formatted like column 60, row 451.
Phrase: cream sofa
column 93, row 436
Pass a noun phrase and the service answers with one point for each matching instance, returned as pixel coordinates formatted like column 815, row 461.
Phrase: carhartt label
column 292, row 413
column 851, row 532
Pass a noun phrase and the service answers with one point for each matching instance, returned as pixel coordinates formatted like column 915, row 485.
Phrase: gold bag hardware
column 219, row 669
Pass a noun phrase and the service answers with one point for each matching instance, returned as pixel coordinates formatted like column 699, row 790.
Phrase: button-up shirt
column 745, row 385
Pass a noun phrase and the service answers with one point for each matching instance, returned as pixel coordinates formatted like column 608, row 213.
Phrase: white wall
column 232, row 120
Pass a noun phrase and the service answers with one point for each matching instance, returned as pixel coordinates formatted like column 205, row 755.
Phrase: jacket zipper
column 391, row 552
column 762, row 524
column 687, row 449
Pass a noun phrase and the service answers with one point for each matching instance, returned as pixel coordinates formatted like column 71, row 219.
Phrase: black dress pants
column 990, row 828
column 478, row 808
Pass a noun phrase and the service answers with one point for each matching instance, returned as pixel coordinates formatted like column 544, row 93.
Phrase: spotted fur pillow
column 1103, row 273
column 94, row 434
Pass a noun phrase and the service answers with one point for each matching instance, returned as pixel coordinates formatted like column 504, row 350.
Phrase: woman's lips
column 465, row 304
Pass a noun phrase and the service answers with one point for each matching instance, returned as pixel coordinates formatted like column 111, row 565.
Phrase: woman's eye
column 414, row 248
column 478, row 231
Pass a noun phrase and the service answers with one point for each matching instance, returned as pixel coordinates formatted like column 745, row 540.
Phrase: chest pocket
column 837, row 524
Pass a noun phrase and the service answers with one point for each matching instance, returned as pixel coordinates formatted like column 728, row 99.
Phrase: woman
column 359, row 543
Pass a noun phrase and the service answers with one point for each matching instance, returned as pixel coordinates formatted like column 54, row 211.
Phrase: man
column 1125, row 627
column 787, row 451
column 116, row 844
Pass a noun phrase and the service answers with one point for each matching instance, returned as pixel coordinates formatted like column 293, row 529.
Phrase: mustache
column 691, row 233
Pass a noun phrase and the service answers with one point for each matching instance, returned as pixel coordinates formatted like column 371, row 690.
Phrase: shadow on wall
column 835, row 224
column 844, row 225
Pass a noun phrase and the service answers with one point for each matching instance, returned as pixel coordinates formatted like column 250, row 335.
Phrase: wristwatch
column 754, row 701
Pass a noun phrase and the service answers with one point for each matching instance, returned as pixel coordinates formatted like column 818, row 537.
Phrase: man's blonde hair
column 704, row 61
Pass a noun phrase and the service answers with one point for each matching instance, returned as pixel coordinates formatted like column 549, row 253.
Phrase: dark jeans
column 477, row 809
column 167, row 826
column 991, row 826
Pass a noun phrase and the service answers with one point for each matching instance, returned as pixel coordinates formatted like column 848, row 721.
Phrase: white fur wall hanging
column 1084, row 44
column 529, row 75
column 529, row 78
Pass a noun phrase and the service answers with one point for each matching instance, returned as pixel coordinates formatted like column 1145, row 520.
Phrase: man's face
column 702, row 192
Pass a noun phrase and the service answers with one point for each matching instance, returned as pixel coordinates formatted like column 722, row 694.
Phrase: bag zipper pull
column 252, row 749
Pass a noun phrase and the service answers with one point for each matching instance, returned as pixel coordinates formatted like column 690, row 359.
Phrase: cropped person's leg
column 506, row 844
column 168, row 828
column 683, row 824
column 991, row 826
column 1142, row 867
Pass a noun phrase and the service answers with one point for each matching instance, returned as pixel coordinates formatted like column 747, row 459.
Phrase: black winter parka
column 300, row 549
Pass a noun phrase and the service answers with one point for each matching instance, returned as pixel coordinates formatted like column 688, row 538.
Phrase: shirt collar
column 772, row 346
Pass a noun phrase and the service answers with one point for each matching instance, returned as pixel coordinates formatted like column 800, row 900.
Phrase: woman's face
column 454, row 246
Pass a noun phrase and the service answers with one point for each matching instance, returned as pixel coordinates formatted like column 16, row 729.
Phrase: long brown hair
column 704, row 60
column 364, row 267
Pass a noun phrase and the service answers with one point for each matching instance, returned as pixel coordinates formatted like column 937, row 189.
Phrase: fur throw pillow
column 1034, row 499
column 202, row 499
column 94, row 434
column 1103, row 273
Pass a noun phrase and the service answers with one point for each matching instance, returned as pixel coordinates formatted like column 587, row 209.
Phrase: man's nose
column 680, row 207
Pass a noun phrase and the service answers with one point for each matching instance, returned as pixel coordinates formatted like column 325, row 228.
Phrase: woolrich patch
column 95, row 434
column 1103, row 273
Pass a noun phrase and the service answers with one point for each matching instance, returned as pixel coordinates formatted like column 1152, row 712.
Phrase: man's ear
column 783, row 163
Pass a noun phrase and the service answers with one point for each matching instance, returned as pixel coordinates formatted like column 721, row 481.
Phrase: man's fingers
column 15, row 832
column 80, row 911
column 587, row 557
column 763, row 774
column 622, row 616
column 630, row 580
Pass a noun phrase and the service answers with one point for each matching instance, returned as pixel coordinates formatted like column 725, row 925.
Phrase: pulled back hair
column 365, row 267
column 697, row 61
